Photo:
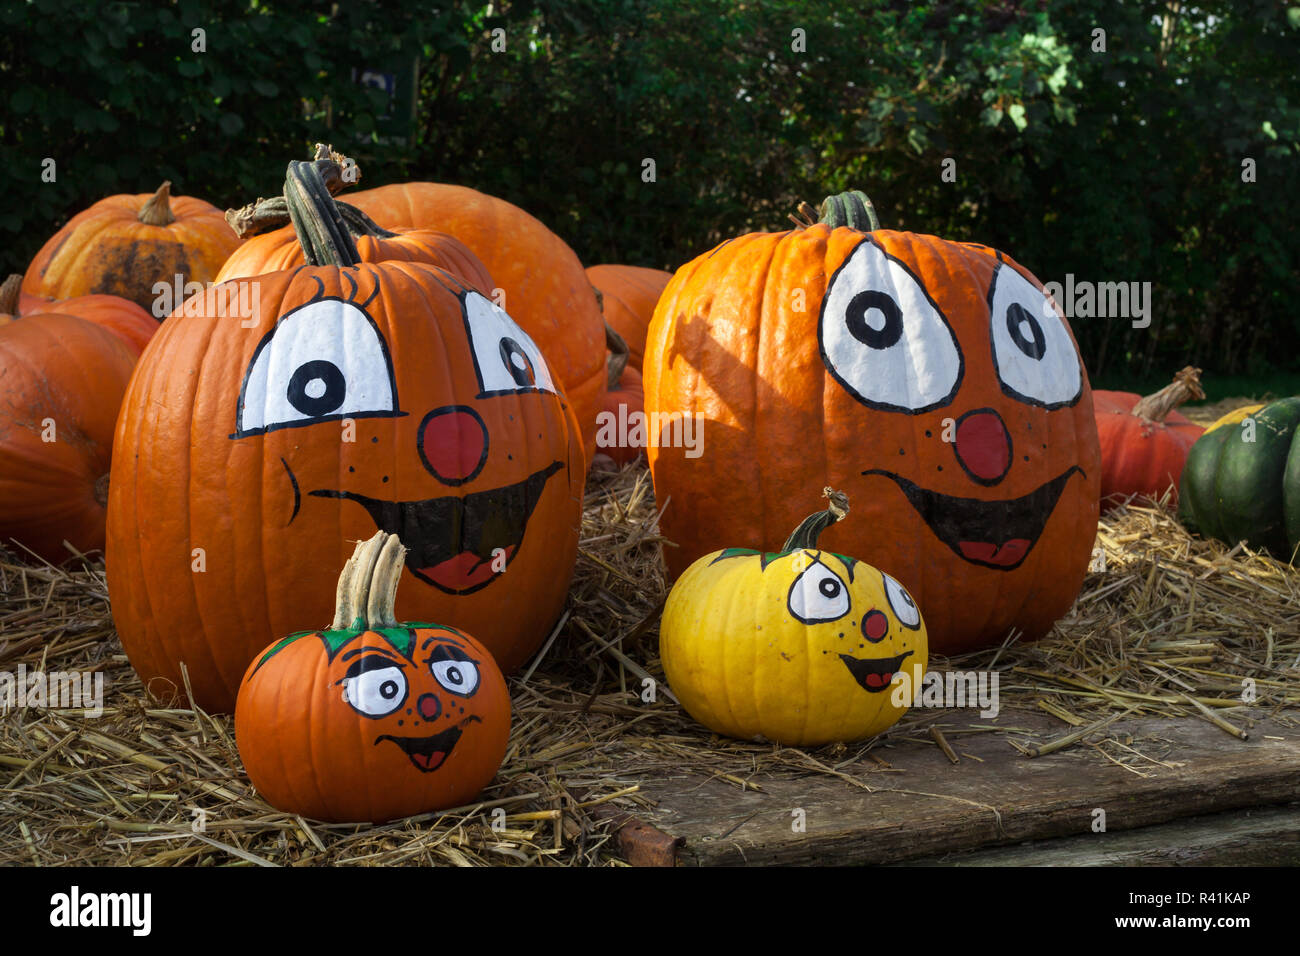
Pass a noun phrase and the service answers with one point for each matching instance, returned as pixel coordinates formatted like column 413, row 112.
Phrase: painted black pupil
column 317, row 388
column 829, row 587
column 856, row 316
column 516, row 362
column 454, row 675
column 1018, row 318
column 388, row 689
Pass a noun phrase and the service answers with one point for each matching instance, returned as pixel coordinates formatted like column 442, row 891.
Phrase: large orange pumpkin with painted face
column 931, row 380
column 256, row 444
column 371, row 719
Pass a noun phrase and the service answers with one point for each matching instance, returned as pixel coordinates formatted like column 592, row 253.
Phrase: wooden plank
column 926, row 806
column 1266, row 836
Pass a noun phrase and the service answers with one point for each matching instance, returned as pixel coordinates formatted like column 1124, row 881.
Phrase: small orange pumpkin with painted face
column 372, row 720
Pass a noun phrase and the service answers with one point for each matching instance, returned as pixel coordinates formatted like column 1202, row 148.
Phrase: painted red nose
column 453, row 443
column 983, row 446
column 429, row 706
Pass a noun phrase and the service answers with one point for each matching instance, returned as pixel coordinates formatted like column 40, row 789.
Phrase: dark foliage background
column 1123, row 165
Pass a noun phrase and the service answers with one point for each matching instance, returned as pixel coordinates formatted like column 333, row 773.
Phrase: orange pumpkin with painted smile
column 371, row 719
column 934, row 381
column 252, row 450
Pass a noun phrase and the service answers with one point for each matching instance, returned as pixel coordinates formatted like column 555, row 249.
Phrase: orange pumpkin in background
column 254, row 449
column 62, row 382
column 1144, row 442
column 628, row 298
column 132, row 324
column 546, row 289
column 123, row 245
column 624, row 404
column 372, row 720
column 931, row 380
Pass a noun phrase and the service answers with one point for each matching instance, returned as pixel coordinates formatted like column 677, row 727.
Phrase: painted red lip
column 1005, row 555
column 466, row 571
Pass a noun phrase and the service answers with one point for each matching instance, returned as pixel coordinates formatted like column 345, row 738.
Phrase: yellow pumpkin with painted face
column 798, row 646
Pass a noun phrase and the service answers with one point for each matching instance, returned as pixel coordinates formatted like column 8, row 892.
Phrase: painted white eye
column 323, row 361
column 1036, row 361
column 459, row 677
column 505, row 358
column 375, row 686
column 904, row 608
column 883, row 338
column 818, row 595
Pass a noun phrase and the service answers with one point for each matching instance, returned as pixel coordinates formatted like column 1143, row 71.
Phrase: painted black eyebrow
column 373, row 650
column 369, row 663
column 444, row 652
column 440, row 637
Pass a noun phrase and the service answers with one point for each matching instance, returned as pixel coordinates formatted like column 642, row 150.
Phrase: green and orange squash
column 1241, row 482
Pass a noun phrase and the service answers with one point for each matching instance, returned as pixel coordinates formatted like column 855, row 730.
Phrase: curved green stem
column 805, row 536
column 852, row 209
column 321, row 229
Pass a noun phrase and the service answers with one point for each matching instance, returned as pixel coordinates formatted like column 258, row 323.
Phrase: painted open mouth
column 874, row 675
column 429, row 753
column 458, row 544
column 995, row 534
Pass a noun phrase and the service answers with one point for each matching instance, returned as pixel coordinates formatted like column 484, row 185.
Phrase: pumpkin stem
column 805, row 536
column 852, row 209
column 1185, row 387
column 368, row 584
column 9, row 290
column 805, row 215
column 157, row 210
column 618, row 355
column 323, row 234
column 359, row 224
column 267, row 214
